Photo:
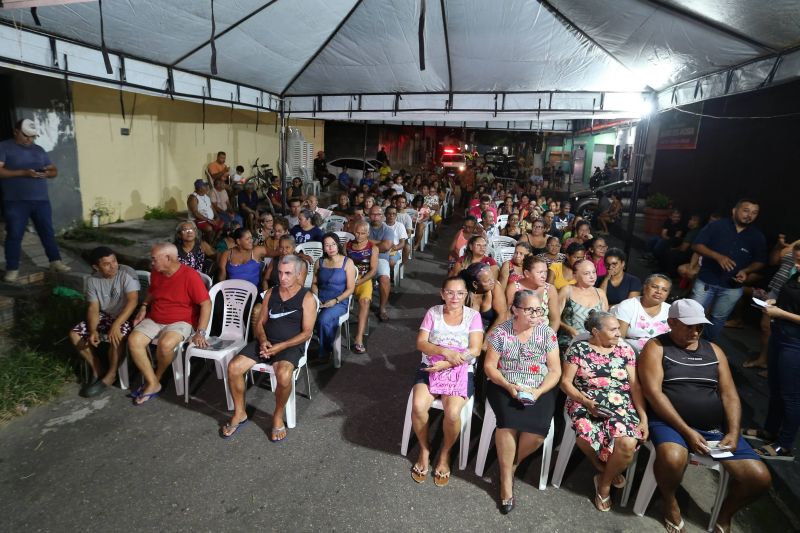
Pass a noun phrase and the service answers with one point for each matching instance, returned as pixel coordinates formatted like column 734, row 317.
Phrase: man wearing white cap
column 693, row 407
column 24, row 169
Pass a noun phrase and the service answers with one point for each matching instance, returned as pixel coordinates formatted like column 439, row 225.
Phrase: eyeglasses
column 187, row 230
column 459, row 294
column 534, row 311
column 610, row 264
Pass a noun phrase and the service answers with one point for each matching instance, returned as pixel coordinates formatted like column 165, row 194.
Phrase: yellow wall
column 167, row 148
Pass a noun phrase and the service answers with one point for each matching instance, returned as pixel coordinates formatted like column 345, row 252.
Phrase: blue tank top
column 248, row 271
column 361, row 258
column 331, row 281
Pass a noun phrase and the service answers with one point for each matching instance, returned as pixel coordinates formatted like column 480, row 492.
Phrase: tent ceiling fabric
column 300, row 49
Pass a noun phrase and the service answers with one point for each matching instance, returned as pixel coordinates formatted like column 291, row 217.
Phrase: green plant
column 658, row 201
column 101, row 208
column 84, row 233
column 157, row 213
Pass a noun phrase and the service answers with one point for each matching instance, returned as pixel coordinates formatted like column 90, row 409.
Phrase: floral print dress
column 604, row 379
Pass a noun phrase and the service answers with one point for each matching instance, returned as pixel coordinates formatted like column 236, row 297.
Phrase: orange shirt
column 216, row 168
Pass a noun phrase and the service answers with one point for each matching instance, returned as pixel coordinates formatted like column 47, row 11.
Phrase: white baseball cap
column 28, row 127
column 688, row 311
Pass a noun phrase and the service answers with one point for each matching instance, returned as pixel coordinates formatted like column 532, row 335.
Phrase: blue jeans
column 718, row 302
column 783, row 415
column 226, row 218
column 328, row 321
column 17, row 214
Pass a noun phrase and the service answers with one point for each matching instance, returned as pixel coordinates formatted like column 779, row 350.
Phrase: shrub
column 658, row 201
column 157, row 213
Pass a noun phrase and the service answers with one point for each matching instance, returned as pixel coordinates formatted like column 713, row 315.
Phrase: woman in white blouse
column 643, row 317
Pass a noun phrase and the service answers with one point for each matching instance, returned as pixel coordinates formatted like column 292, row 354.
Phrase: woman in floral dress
column 604, row 402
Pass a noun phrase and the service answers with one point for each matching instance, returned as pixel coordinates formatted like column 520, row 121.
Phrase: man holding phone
column 24, row 169
column 692, row 402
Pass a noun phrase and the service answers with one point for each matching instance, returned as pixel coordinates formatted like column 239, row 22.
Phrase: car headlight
column 461, row 168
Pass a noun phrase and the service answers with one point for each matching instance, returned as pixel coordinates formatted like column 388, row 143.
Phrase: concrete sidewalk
column 103, row 464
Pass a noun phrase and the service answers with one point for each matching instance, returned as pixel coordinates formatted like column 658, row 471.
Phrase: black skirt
column 511, row 414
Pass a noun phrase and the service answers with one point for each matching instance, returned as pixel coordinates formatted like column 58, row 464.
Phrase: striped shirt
column 523, row 363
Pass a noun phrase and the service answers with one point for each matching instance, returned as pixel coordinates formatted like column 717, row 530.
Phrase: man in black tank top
column 692, row 400
column 284, row 325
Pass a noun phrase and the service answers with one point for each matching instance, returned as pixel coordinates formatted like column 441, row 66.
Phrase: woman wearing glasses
column 618, row 284
column 450, row 340
column 265, row 229
column 536, row 238
column 193, row 252
column 523, row 367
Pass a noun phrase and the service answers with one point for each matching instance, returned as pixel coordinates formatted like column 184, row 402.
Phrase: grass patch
column 87, row 234
column 34, row 370
column 158, row 213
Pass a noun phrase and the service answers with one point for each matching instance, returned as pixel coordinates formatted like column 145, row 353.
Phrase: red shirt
column 176, row 298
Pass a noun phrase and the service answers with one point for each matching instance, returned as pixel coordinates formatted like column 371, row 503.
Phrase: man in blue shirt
column 344, row 180
column 24, row 169
column 382, row 236
column 731, row 249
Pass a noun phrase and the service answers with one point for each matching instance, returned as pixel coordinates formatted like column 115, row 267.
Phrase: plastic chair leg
column 308, row 381
column 291, row 405
column 407, row 425
column 228, row 397
column 564, row 453
column 722, row 491
column 337, row 348
column 489, row 425
column 466, row 429
column 547, row 453
column 629, row 474
column 122, row 371
column 648, row 485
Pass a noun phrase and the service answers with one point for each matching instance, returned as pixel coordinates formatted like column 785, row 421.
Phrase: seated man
column 248, row 204
column 222, row 205
column 217, row 170
column 484, row 204
column 692, row 400
column 312, row 204
column 176, row 302
column 488, row 226
column 112, row 292
column 399, row 246
column 285, row 323
column 382, row 236
column 201, row 212
column 344, row 179
column 354, row 218
column 295, row 205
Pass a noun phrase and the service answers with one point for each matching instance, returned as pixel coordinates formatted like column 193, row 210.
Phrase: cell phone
column 759, row 302
column 526, row 398
column 713, row 445
column 605, row 412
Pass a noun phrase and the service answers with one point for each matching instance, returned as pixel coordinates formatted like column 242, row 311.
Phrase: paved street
column 103, row 465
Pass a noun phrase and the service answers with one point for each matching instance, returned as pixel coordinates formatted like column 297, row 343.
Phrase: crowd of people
column 539, row 317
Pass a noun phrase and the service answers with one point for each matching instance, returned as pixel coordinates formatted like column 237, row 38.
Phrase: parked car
column 584, row 203
column 355, row 167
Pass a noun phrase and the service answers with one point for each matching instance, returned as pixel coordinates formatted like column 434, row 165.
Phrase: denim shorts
column 661, row 432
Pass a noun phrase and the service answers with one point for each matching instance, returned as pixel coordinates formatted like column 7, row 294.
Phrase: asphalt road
column 104, row 465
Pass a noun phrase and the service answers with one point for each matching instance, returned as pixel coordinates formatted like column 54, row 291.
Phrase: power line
column 785, row 115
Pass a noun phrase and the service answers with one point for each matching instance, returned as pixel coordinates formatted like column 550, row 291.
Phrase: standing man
column 382, row 157
column 218, row 170
column 731, row 249
column 112, row 293
column 285, row 323
column 321, row 170
column 176, row 302
column 24, row 169
column 383, row 237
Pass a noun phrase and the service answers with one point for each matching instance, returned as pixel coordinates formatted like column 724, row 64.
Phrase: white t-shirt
column 399, row 232
column 405, row 219
column 641, row 326
column 237, row 178
column 219, row 198
column 203, row 207
column 454, row 337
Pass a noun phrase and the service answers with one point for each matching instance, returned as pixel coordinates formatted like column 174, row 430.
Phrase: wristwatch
column 200, row 332
column 337, row 299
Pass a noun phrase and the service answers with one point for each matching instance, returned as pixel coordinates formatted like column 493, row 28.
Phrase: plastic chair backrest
column 502, row 221
column 344, row 237
column 144, row 283
column 332, row 207
column 206, row 279
column 238, row 298
column 502, row 241
column 335, row 223
column 311, row 249
column 503, row 254
column 414, row 214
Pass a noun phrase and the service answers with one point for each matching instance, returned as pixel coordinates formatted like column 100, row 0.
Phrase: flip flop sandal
column 419, row 475
column 383, row 316
column 136, row 393
column 276, row 432
column 441, row 479
column 229, row 430
column 756, row 434
column 674, row 528
column 773, row 452
column 144, row 398
column 602, row 504
column 359, row 348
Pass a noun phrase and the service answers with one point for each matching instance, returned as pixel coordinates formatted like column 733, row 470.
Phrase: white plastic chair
column 239, row 297
column 335, row 223
column 489, row 425
column 565, row 452
column 648, row 484
column 344, row 327
column 332, row 207
column 314, row 251
column 501, row 241
column 502, row 221
column 344, row 237
column 466, row 427
column 503, row 254
column 206, row 280
column 291, row 404
column 309, row 183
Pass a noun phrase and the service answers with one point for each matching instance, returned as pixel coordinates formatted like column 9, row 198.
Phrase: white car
column 355, row 167
column 457, row 162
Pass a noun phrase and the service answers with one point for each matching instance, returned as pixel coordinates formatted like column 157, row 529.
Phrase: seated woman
column 507, row 207
column 596, row 252
column 193, row 252
column 618, row 284
column 605, row 403
column 485, row 295
column 536, row 238
column 334, row 282
column 286, row 246
column 534, row 279
column 522, row 356
column 511, row 228
column 265, row 230
column 475, row 253
column 450, row 340
column 581, row 235
column 562, row 274
column 343, row 209
column 552, row 253
column 643, row 317
column 468, row 230
column 243, row 261
column 577, row 301
column 364, row 255
column 511, row 271
column 295, row 190
column 225, row 241
column 418, row 204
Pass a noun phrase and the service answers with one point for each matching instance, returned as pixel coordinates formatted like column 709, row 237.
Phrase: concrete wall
column 167, row 149
column 45, row 101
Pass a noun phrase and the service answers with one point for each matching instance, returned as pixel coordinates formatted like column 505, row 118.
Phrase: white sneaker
column 11, row 276
column 59, row 266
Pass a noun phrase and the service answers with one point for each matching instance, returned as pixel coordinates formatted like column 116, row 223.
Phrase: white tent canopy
column 484, row 60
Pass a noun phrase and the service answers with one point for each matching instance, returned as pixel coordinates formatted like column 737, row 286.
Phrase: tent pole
column 364, row 159
column 638, row 168
column 282, row 157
